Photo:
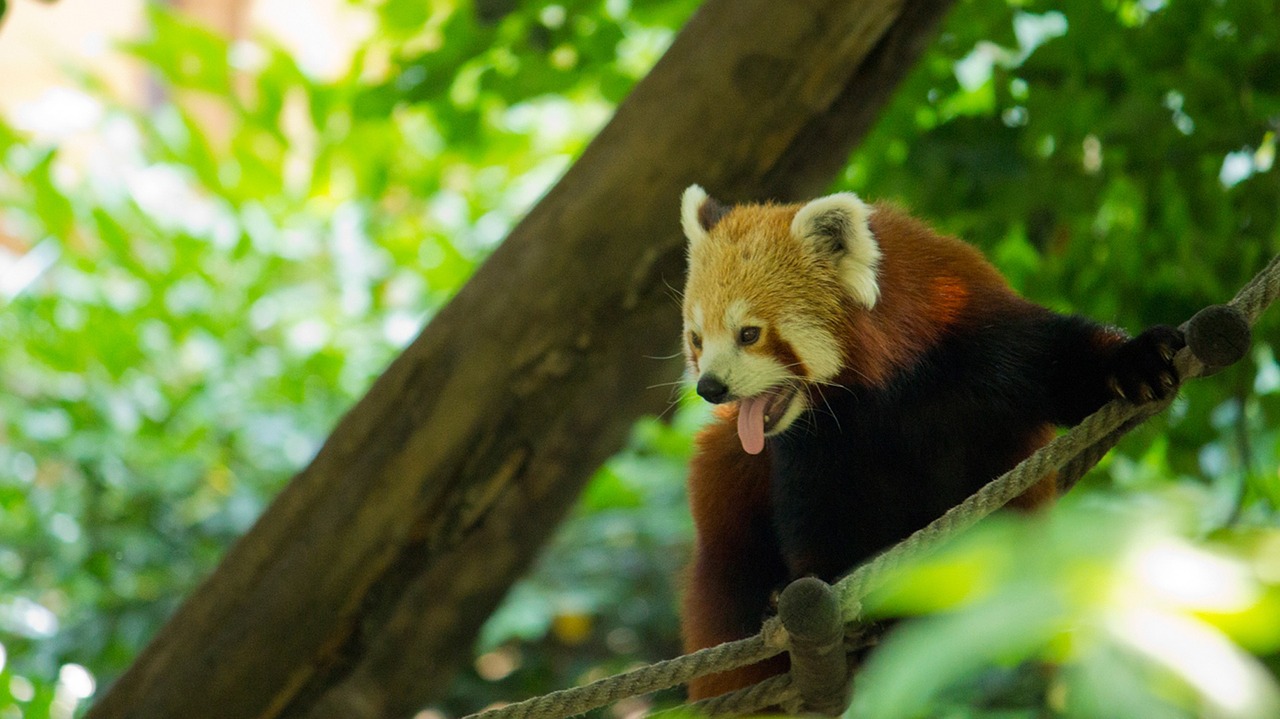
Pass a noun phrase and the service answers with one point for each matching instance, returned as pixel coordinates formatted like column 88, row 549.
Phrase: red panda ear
column 699, row 213
column 837, row 227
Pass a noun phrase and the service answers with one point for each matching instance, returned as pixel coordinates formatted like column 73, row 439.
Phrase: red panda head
column 766, row 295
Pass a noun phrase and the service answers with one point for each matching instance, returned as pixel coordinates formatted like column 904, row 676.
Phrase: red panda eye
column 696, row 340
column 748, row 335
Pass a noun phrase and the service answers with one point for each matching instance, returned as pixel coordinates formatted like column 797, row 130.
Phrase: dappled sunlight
column 1184, row 577
column 1231, row 683
column 1136, row 586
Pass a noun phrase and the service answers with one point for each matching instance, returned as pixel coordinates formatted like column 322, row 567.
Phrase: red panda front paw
column 1142, row 368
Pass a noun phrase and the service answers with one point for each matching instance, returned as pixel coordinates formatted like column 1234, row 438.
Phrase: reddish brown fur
column 733, row 490
column 928, row 282
column 774, row 345
column 1042, row 493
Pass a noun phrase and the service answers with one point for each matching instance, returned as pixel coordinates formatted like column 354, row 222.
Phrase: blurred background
column 219, row 220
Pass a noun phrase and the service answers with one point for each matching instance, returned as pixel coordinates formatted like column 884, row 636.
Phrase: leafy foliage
column 187, row 310
column 1102, row 608
column 192, row 312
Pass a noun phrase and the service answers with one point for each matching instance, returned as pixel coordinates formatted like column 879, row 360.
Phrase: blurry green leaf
column 405, row 14
column 525, row 616
column 1120, row 582
column 940, row 583
column 186, row 54
column 51, row 206
column 929, row 655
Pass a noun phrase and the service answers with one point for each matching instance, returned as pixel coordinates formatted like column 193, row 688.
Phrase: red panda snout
column 742, row 371
column 712, row 389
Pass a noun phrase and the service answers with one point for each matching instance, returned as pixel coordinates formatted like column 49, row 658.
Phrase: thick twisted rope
column 771, row 692
column 568, row 702
column 1261, row 291
column 1071, row 455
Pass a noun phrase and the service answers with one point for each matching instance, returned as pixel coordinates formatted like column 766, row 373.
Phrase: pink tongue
column 751, row 423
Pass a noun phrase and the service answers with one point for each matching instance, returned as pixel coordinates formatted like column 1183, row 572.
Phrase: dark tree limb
column 363, row 585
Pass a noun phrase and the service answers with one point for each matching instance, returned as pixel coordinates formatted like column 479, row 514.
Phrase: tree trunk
column 359, row 590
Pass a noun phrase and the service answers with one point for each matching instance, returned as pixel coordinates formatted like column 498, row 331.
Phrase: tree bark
column 358, row 591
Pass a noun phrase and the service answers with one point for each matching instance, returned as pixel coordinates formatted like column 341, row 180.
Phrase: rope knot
column 1218, row 335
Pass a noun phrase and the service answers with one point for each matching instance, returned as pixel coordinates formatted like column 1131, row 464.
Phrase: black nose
column 712, row 389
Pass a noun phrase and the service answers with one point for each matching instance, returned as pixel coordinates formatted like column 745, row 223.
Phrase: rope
column 1072, row 455
column 1261, row 291
column 854, row 587
column 771, row 692
column 1076, row 468
column 568, row 702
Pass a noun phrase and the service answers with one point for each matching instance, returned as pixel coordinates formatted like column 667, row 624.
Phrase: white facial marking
column 745, row 373
column 814, row 345
column 738, row 315
column 797, row 407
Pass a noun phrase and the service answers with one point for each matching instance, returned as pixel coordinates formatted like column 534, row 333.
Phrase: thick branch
column 359, row 589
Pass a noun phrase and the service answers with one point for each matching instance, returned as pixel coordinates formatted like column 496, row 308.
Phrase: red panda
column 869, row 375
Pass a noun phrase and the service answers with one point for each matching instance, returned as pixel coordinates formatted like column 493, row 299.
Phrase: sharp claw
column 1146, row 393
column 1167, row 353
column 1166, row 380
column 1114, row 384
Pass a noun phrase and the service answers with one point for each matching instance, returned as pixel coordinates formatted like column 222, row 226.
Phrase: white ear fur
column 690, row 204
column 837, row 225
